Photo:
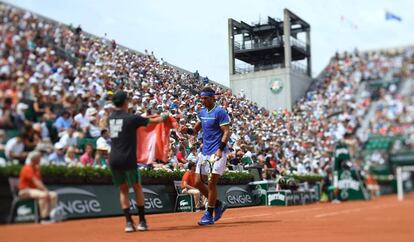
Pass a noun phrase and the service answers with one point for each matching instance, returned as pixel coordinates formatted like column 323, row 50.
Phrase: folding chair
column 21, row 208
column 183, row 202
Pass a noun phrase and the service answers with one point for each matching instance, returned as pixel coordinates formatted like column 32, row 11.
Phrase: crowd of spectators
column 394, row 116
column 56, row 85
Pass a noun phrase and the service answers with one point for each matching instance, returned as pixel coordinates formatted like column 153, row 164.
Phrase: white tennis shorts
column 218, row 167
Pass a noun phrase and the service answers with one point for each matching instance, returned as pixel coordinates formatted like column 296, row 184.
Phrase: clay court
column 382, row 219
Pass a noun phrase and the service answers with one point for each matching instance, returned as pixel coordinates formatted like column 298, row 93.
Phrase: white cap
column 108, row 106
column 91, row 111
column 59, row 146
column 22, row 106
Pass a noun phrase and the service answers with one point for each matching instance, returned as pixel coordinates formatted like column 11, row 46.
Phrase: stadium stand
column 55, row 77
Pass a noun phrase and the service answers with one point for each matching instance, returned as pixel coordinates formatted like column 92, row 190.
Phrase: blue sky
column 193, row 34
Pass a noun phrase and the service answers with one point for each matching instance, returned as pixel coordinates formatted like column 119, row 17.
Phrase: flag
column 391, row 16
column 153, row 141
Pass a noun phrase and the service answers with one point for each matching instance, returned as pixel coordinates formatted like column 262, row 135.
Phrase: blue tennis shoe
column 207, row 219
column 218, row 212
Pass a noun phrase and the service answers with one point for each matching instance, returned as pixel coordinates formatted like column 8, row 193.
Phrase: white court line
column 267, row 214
column 247, row 216
column 336, row 213
column 353, row 210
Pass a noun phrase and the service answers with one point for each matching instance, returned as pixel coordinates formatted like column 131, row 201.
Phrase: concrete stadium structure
column 268, row 62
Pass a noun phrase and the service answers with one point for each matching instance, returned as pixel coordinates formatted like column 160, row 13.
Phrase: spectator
column 103, row 121
column 58, row 156
column 70, row 157
column 69, row 139
column 6, row 114
column 87, row 159
column 14, row 149
column 101, row 156
column 180, row 156
column 104, row 141
column 93, row 129
column 63, row 122
column 81, row 121
column 30, row 138
column 20, row 117
column 31, row 186
column 193, row 156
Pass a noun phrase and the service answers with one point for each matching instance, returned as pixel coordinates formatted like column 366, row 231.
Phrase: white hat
column 57, row 88
column 108, row 106
column 33, row 80
column 22, row 106
column 59, row 146
column 91, row 111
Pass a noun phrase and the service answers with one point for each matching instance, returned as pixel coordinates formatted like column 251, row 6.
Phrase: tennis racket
column 209, row 163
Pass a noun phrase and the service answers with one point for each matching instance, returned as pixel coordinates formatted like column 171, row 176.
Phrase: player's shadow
column 219, row 224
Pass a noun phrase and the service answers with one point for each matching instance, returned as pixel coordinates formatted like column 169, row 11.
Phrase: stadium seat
column 247, row 160
column 83, row 141
column 255, row 173
column 3, row 154
column 10, row 133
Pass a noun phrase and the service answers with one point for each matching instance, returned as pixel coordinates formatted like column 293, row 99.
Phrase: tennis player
column 214, row 123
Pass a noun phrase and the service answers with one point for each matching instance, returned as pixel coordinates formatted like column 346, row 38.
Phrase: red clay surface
column 382, row 219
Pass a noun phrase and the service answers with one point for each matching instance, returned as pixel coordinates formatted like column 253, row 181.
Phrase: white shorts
column 218, row 167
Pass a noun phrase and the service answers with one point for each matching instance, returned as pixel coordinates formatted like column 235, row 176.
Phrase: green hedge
column 53, row 174
column 311, row 178
column 292, row 180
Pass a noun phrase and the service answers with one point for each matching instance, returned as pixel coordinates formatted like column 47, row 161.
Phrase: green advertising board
column 236, row 195
column 287, row 197
column 350, row 186
column 103, row 200
column 260, row 189
column 279, row 198
column 405, row 158
column 81, row 201
column 184, row 203
column 157, row 199
column 25, row 211
column 347, row 181
column 315, row 192
column 265, row 193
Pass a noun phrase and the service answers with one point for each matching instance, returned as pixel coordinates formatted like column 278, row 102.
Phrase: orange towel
column 153, row 141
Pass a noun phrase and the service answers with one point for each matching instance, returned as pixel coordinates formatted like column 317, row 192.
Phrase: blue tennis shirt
column 212, row 133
